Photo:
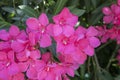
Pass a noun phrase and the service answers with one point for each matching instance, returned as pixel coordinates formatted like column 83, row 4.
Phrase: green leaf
column 59, row 5
column 12, row 10
column 78, row 12
column 77, row 73
column 117, row 78
column 95, row 18
column 28, row 11
column 9, row 9
column 105, row 75
column 94, row 2
column 87, row 4
column 4, row 24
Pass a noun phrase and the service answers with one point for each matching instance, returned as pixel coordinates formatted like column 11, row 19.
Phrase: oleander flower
column 39, row 31
column 64, row 23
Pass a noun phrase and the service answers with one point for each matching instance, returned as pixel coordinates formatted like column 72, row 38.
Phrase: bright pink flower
column 115, row 34
column 64, row 44
column 112, row 14
column 8, row 65
column 86, row 39
column 64, row 23
column 39, row 30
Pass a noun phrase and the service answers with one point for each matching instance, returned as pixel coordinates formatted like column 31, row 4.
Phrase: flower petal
column 32, row 23
column 43, row 19
column 68, row 30
column 89, row 50
column 94, row 42
column 14, row 30
column 57, row 30
column 45, row 41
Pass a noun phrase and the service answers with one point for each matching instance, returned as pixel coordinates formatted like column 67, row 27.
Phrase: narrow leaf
column 28, row 11
column 59, row 5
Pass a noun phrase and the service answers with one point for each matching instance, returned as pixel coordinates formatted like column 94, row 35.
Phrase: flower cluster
column 20, row 55
column 112, row 17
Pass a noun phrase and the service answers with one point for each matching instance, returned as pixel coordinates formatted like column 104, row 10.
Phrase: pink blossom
column 8, row 65
column 64, row 23
column 112, row 14
column 86, row 39
column 39, row 30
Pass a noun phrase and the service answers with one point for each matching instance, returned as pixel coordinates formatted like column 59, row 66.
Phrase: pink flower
column 64, row 44
column 112, row 14
column 8, row 65
column 86, row 39
column 38, row 30
column 64, row 23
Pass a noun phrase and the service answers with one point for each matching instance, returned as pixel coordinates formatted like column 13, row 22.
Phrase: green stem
column 113, row 55
column 15, row 7
column 97, row 63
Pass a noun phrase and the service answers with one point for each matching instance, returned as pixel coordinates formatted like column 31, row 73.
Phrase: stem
column 97, row 63
column 15, row 7
column 113, row 55
column 88, row 64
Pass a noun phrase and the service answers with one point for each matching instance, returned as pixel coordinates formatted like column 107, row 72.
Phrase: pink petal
column 13, row 69
column 5, row 45
column 91, row 31
column 65, row 13
column 17, row 46
column 14, row 30
column 32, row 38
column 39, row 65
column 3, row 56
column 45, row 41
column 80, row 56
column 23, row 66
column 46, row 57
column 89, row 50
column 106, row 11
column 35, row 54
column 72, row 20
column 94, row 42
column 107, row 19
column 60, row 47
column 22, row 35
column 70, row 72
column 32, row 23
column 50, row 29
column 31, row 73
column 118, row 2
column 4, row 35
column 68, row 30
column 50, row 76
column 43, row 19
column 57, row 30
column 19, row 76
column 3, row 75
column 21, row 56
column 42, row 75
column 11, row 55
